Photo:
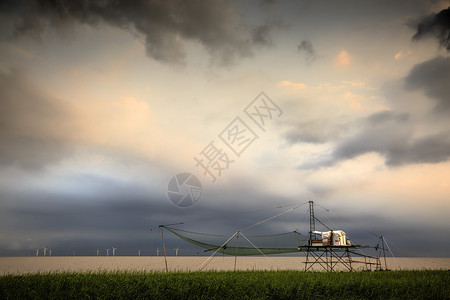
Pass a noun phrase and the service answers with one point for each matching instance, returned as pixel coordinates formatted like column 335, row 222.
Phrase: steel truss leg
column 328, row 259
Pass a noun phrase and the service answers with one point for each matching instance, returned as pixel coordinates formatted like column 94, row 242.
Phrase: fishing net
column 240, row 244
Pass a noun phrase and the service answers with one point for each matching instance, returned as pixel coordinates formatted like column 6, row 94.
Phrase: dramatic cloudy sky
column 103, row 102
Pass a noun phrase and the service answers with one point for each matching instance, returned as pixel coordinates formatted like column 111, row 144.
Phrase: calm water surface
column 23, row 265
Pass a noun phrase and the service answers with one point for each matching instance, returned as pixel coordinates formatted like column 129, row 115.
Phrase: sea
column 60, row 264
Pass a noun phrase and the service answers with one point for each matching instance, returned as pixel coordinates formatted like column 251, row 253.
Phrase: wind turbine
column 157, row 251
column 107, row 252
column 176, row 252
column 45, row 251
column 37, row 252
column 139, row 252
column 98, row 252
column 114, row 251
column 50, row 252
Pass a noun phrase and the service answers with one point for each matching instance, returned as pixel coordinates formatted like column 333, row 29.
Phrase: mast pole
column 312, row 224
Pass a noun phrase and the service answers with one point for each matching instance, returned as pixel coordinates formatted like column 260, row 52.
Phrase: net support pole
column 253, row 245
column 384, row 252
column 307, row 259
column 235, row 254
column 164, row 248
column 217, row 250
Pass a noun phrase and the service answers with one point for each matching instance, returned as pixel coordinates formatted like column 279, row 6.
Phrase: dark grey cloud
column 268, row 2
column 307, row 47
column 162, row 24
column 315, row 131
column 127, row 216
column 391, row 135
column 386, row 133
column 375, row 135
column 436, row 25
column 124, row 217
column 396, row 147
column 433, row 77
column 120, row 214
column 261, row 35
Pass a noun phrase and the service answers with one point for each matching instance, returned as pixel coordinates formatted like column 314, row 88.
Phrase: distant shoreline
column 84, row 264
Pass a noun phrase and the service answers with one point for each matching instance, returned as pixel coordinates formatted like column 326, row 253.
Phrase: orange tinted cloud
column 401, row 55
column 354, row 83
column 343, row 59
column 353, row 101
column 287, row 83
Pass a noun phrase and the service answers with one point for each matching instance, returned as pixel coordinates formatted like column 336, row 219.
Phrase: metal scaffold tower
column 334, row 252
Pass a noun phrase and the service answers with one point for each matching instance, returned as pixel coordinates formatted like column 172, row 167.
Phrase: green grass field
column 230, row 285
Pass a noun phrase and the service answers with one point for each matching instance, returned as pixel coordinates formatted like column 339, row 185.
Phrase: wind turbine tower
column 176, row 252
column 37, row 252
column 114, row 251
column 98, row 252
column 157, row 251
column 107, row 252
column 139, row 252
column 45, row 251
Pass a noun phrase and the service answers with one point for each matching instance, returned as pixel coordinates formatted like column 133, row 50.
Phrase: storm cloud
column 392, row 136
column 124, row 215
column 395, row 144
column 163, row 25
column 261, row 35
column 315, row 132
column 435, row 25
column 128, row 216
column 432, row 77
column 310, row 53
